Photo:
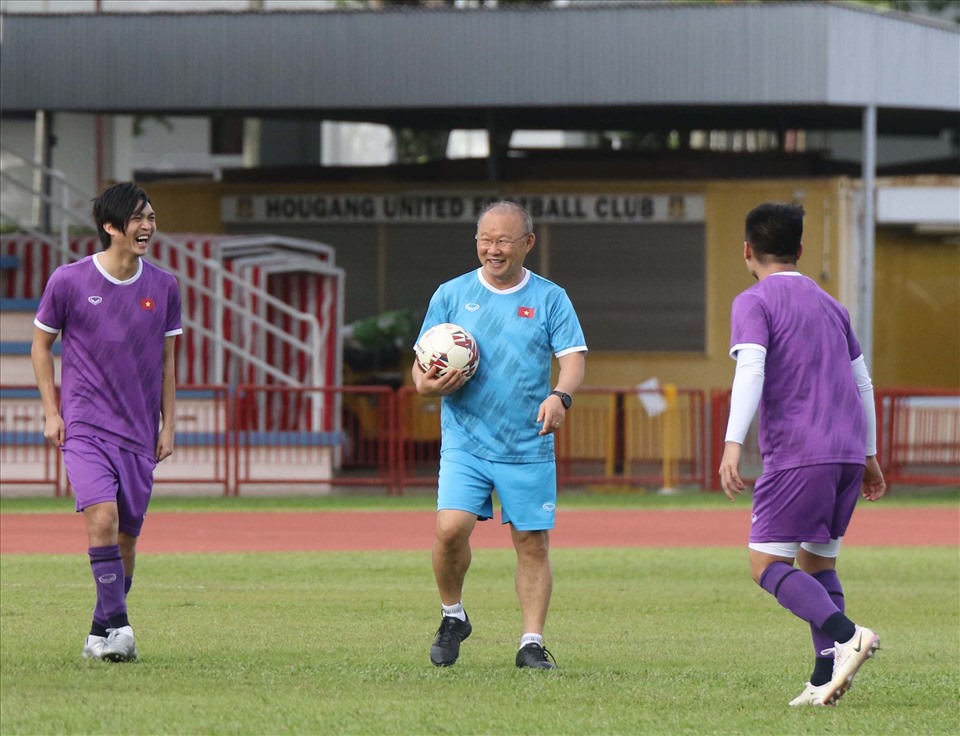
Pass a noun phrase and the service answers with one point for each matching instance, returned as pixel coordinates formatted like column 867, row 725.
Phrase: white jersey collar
column 111, row 279
column 511, row 290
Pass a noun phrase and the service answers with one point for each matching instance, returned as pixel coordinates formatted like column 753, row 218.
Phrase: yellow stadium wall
column 193, row 208
column 917, row 310
column 916, row 295
column 727, row 203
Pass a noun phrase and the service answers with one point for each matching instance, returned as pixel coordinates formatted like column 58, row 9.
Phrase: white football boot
column 93, row 648
column 848, row 657
column 811, row 695
column 120, row 645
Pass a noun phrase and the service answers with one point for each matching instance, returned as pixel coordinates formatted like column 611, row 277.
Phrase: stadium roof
column 586, row 66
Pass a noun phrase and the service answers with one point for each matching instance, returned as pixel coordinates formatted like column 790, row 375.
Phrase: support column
column 498, row 137
column 864, row 327
column 43, row 160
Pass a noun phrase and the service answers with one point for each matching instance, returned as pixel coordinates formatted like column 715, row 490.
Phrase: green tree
column 948, row 10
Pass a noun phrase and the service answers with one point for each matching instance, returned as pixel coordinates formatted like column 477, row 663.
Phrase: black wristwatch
column 566, row 399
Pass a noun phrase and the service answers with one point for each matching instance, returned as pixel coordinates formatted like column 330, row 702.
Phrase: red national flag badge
column 527, row 312
column 147, row 303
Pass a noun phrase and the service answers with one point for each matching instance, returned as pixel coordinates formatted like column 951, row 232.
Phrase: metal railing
column 25, row 457
column 629, row 437
column 273, row 439
column 56, row 196
column 918, row 437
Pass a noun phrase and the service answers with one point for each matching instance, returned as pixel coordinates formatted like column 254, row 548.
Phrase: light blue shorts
column 527, row 491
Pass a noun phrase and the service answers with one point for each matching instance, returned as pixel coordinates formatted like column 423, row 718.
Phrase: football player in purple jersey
column 118, row 316
column 800, row 363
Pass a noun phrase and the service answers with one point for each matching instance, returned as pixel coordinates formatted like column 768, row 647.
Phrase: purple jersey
column 811, row 412
column 112, row 356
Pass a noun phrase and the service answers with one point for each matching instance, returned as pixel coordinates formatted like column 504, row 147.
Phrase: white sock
column 454, row 611
column 531, row 639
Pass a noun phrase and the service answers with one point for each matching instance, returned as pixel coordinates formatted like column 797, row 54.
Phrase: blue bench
column 291, row 439
column 19, row 305
column 23, row 348
column 32, row 393
column 29, row 438
column 19, row 393
column 9, row 263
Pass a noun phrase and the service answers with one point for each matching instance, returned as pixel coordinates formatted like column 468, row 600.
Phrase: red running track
column 413, row 530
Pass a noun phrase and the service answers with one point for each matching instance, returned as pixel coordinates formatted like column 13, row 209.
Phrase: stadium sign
column 446, row 207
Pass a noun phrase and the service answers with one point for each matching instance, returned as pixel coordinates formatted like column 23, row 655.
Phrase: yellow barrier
column 671, row 439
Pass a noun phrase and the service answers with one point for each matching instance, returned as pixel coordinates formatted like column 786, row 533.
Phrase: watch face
column 564, row 399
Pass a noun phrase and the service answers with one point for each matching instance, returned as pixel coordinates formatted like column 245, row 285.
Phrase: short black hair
column 116, row 205
column 775, row 230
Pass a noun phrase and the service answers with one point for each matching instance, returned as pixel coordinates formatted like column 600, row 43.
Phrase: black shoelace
column 446, row 633
column 542, row 653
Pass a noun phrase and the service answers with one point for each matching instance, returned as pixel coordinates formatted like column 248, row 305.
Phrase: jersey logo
column 472, row 307
column 526, row 312
column 147, row 303
column 94, row 300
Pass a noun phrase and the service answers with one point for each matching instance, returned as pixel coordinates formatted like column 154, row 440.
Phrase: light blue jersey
column 518, row 331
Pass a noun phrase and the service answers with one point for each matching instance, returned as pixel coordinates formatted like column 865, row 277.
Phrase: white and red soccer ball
column 448, row 346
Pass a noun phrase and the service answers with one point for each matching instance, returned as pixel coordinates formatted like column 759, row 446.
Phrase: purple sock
column 799, row 593
column 823, row 664
column 107, row 567
column 100, row 623
column 831, row 583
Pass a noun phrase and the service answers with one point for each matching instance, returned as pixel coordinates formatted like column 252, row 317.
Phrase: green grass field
column 425, row 499
column 649, row 642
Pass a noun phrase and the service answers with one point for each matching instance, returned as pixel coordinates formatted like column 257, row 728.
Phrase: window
column 635, row 288
column 226, row 134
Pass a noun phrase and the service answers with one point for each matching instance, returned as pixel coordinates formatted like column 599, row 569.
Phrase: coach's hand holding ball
column 449, row 356
column 432, row 383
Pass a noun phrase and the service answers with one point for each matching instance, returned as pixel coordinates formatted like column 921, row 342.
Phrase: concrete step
column 17, row 370
column 16, row 321
column 16, row 326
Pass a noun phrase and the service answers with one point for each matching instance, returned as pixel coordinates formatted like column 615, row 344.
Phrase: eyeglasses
column 501, row 243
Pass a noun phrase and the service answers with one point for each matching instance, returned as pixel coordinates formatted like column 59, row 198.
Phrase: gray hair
column 512, row 208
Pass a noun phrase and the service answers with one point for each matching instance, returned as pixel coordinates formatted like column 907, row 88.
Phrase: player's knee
column 128, row 552
column 452, row 535
column 103, row 523
column 532, row 544
column 758, row 568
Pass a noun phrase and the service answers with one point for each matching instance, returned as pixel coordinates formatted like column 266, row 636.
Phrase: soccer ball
column 448, row 346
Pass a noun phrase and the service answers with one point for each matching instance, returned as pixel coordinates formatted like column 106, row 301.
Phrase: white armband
column 746, row 391
column 865, row 387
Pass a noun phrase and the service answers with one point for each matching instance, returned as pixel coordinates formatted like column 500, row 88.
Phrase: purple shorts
column 101, row 472
column 808, row 504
